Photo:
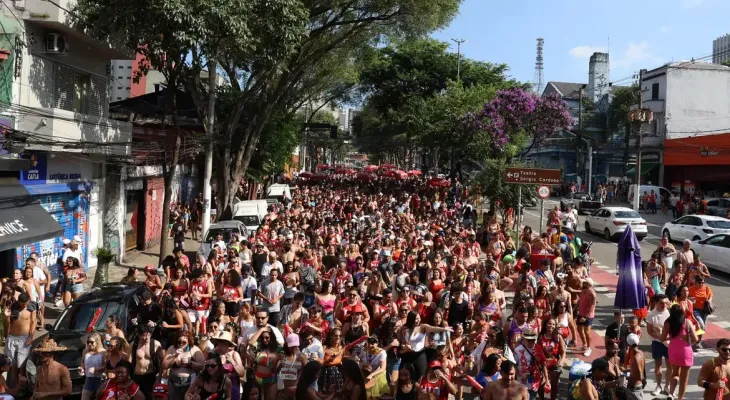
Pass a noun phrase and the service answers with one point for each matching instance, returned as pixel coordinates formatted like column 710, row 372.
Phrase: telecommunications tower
column 538, row 82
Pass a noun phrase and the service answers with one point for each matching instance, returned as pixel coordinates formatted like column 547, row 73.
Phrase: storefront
column 22, row 220
column 698, row 163
column 61, row 184
column 144, row 195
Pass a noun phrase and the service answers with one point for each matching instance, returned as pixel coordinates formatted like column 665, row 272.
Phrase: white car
column 695, row 227
column 715, row 251
column 612, row 222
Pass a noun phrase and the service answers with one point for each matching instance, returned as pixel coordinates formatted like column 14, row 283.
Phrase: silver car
column 225, row 228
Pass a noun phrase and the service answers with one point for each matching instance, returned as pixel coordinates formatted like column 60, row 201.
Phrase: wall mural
column 111, row 204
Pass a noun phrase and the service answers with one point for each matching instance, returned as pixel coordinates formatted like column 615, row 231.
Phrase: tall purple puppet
column 630, row 292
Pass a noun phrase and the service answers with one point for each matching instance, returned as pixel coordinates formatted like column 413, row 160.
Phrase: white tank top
column 417, row 342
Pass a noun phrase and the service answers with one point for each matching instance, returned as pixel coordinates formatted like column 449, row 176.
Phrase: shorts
column 92, row 383
column 75, row 288
column 16, row 349
column 197, row 315
column 586, row 321
column 659, row 350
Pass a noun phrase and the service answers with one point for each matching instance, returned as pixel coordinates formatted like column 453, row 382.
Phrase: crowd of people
column 392, row 290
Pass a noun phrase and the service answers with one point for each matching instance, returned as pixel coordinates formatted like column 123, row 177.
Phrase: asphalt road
column 604, row 274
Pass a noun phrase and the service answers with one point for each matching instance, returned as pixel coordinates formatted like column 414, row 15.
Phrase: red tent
column 370, row 168
column 306, row 175
column 438, row 182
column 415, row 172
column 345, row 171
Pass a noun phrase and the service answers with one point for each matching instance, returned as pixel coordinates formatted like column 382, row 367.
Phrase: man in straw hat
column 53, row 381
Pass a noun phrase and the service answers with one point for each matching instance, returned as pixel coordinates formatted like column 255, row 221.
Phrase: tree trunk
column 102, row 273
column 168, row 171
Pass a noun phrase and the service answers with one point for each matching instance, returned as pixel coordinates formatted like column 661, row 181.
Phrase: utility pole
column 637, row 194
column 458, row 56
column 209, row 150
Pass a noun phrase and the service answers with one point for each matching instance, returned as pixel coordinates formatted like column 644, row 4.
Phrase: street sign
column 532, row 176
column 543, row 192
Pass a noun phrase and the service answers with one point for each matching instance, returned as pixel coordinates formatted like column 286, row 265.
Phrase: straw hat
column 49, row 346
column 224, row 336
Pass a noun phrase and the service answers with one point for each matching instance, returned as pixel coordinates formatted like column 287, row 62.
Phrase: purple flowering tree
column 517, row 113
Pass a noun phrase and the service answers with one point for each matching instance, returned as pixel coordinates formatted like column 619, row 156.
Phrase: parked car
column 79, row 320
column 225, row 228
column 581, row 201
column 718, row 207
column 715, row 251
column 612, row 222
column 695, row 227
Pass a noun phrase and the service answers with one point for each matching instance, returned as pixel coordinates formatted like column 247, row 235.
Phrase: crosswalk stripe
column 722, row 324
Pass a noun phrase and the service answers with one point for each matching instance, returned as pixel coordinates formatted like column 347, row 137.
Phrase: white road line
column 610, row 295
column 722, row 324
column 600, row 332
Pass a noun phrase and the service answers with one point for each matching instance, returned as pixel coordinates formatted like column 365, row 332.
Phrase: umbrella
column 320, row 176
column 401, row 174
column 323, row 166
column 342, row 171
column 370, row 168
column 365, row 177
column 306, row 175
column 387, row 166
column 630, row 292
column 415, row 172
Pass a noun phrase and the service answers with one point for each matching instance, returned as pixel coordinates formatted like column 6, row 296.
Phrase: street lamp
column 458, row 56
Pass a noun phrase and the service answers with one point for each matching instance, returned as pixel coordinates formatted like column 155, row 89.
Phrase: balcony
column 44, row 14
column 54, row 129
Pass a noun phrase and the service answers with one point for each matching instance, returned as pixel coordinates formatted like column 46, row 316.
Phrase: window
column 716, row 240
column 119, row 87
column 129, row 67
column 655, row 91
column 119, row 98
column 82, row 87
column 121, row 67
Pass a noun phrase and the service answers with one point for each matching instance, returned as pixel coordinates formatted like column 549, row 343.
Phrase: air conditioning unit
column 56, row 43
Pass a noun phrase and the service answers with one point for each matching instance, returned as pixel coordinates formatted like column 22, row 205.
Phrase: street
column 603, row 273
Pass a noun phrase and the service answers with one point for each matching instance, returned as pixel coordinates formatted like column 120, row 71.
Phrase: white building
column 721, row 49
column 121, row 80
column 691, row 124
column 57, row 79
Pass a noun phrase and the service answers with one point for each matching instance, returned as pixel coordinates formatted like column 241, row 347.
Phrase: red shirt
column 200, row 287
column 438, row 388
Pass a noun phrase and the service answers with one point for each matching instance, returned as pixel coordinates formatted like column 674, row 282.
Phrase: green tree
column 623, row 99
column 166, row 33
column 412, row 101
column 492, row 184
column 322, row 38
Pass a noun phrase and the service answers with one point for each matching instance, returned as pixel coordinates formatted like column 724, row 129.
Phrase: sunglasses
column 211, row 366
column 91, row 342
column 724, row 350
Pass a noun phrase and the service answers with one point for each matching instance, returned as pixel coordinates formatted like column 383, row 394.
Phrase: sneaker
column 587, row 353
column 643, row 324
column 657, row 391
column 700, row 346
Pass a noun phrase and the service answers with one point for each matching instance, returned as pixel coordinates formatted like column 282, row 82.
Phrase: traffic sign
column 543, row 192
column 532, row 176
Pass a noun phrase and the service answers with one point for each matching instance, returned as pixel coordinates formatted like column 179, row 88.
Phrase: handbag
column 709, row 308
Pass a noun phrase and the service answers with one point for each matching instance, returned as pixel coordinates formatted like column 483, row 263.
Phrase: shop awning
column 22, row 219
column 645, row 169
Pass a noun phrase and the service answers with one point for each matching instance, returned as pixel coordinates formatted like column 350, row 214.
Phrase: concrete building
column 122, row 85
column 721, row 49
column 598, row 76
column 54, row 98
column 691, row 124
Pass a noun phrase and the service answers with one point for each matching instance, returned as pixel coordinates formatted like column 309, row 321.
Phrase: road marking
column 600, row 332
column 610, row 295
column 722, row 324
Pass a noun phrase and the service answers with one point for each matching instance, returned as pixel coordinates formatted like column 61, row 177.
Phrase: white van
column 278, row 191
column 660, row 191
column 250, row 212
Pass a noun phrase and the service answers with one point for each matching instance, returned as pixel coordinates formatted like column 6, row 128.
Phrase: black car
column 75, row 324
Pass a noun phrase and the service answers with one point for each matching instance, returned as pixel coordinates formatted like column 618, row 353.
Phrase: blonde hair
column 98, row 344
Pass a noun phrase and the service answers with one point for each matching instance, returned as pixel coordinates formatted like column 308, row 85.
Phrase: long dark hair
column 308, row 377
column 351, row 370
column 489, row 367
column 676, row 320
column 207, row 377
column 411, row 320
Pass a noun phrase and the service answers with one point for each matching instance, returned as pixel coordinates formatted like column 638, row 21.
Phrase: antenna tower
column 539, row 81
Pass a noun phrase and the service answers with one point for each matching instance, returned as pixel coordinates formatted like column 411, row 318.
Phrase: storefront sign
column 650, row 157
column 530, row 176
column 9, row 228
column 38, row 169
column 705, row 151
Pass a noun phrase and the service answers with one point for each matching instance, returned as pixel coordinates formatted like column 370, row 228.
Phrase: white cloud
column 586, row 51
column 692, row 3
column 635, row 54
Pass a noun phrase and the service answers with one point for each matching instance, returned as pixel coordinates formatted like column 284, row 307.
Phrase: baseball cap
column 632, row 339
column 434, row 364
column 386, row 253
column 292, row 340
column 599, row 363
column 66, row 241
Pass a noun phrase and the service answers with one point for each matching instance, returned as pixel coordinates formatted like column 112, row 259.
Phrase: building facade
column 54, row 99
column 691, row 124
column 721, row 49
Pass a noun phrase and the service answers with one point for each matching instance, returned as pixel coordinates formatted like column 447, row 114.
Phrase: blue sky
column 641, row 33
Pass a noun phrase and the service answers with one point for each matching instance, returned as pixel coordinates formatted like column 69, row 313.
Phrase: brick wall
column 154, row 195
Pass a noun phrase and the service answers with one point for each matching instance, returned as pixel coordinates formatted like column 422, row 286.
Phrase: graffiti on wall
column 154, row 196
